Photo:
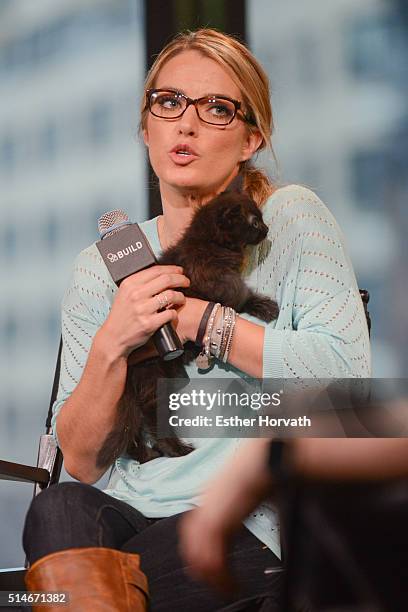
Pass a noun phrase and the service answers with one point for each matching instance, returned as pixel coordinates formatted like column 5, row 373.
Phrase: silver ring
column 162, row 299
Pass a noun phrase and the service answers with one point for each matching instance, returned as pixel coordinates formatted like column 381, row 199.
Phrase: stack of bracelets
column 215, row 333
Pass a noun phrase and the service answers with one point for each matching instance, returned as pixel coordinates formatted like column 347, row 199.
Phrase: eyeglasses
column 216, row 110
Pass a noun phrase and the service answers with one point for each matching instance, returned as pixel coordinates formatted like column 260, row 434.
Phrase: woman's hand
column 134, row 316
column 206, row 532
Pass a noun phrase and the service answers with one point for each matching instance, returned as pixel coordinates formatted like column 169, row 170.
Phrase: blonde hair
column 250, row 78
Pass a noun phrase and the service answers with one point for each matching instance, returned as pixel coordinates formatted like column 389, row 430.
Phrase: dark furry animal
column 211, row 253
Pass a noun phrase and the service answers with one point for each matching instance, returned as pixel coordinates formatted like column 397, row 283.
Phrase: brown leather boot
column 95, row 579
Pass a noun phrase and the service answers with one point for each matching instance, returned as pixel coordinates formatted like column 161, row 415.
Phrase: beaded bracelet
column 227, row 323
column 221, row 333
column 217, row 334
column 229, row 342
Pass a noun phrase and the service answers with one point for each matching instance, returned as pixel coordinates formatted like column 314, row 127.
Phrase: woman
column 205, row 113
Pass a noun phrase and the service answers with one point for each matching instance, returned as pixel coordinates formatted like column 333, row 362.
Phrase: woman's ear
column 251, row 144
column 145, row 137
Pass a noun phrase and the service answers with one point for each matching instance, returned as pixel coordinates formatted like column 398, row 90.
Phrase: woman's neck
column 171, row 227
column 177, row 214
column 178, row 209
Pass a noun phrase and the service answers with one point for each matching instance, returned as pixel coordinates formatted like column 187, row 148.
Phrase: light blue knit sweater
column 321, row 332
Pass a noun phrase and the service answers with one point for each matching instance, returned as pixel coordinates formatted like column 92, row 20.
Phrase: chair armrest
column 23, row 473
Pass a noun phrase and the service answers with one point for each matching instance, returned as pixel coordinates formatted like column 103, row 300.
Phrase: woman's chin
column 188, row 181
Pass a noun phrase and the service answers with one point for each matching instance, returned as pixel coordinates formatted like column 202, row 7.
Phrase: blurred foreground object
column 343, row 505
column 344, row 535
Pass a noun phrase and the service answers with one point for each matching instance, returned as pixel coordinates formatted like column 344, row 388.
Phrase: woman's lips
column 182, row 159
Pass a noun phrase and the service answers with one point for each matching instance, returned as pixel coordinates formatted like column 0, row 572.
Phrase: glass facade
column 71, row 33
column 70, row 77
column 378, row 47
column 338, row 74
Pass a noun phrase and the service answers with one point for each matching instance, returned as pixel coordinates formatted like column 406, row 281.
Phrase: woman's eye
column 168, row 102
column 220, row 110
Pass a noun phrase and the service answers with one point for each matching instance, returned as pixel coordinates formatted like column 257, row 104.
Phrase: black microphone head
column 111, row 222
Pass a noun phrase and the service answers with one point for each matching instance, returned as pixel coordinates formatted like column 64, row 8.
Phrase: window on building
column 370, row 175
column 307, row 59
column 48, row 140
column 111, row 16
column 8, row 153
column 10, row 56
column 69, row 34
column 9, row 240
column 377, row 48
column 51, row 40
column 10, row 330
column 51, row 232
column 100, row 124
column 10, row 418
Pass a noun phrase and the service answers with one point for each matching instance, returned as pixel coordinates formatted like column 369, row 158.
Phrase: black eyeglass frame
column 236, row 103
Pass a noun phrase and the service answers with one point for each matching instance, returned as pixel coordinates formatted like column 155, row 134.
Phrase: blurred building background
column 339, row 74
column 71, row 74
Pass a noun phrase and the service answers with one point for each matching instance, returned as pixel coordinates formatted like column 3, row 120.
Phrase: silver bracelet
column 227, row 326
column 228, row 347
column 217, row 334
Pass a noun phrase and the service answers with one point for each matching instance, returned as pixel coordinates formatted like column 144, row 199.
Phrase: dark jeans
column 74, row 514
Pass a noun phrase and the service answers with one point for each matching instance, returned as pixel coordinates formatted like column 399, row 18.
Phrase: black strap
column 54, row 386
column 203, row 324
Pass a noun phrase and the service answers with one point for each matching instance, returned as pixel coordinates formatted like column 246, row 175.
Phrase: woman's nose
column 189, row 121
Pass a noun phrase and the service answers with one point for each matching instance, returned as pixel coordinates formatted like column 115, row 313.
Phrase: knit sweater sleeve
column 321, row 330
column 85, row 306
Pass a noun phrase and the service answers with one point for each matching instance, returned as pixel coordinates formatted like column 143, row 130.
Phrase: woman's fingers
column 144, row 302
column 169, row 298
column 142, row 278
column 166, row 299
column 165, row 316
column 165, row 281
column 135, row 290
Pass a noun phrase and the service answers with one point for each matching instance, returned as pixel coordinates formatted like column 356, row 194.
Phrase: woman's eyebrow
column 178, row 90
column 172, row 88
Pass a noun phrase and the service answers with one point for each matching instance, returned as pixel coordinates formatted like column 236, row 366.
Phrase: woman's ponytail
column 257, row 184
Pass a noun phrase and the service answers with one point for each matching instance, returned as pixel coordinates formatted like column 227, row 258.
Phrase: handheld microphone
column 125, row 250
